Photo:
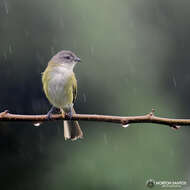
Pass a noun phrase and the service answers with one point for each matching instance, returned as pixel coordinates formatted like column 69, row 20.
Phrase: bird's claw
column 49, row 116
column 69, row 115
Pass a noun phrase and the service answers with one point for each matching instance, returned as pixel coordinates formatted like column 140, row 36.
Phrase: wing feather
column 74, row 89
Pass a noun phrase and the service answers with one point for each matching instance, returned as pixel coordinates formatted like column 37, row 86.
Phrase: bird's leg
column 49, row 114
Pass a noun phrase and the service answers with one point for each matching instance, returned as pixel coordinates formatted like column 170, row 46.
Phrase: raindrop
column 84, row 97
column 37, row 124
column 175, row 127
column 125, row 126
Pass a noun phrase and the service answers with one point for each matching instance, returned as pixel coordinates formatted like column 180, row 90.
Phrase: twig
column 148, row 118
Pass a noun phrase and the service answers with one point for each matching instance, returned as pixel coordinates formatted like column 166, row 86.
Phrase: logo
column 165, row 184
column 150, row 183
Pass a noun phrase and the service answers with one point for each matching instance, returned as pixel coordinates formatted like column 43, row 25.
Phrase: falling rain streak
column 10, row 49
column 6, row 7
column 84, row 97
column 174, row 81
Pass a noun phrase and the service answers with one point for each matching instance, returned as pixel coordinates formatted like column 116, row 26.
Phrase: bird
column 60, row 87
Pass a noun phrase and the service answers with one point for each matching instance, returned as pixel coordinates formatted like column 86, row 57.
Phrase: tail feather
column 72, row 129
column 67, row 131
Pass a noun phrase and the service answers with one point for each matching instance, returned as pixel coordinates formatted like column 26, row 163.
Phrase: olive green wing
column 74, row 89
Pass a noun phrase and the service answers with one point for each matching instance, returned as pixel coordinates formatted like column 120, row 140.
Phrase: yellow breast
column 58, row 85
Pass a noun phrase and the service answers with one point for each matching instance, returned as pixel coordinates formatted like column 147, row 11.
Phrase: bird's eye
column 67, row 57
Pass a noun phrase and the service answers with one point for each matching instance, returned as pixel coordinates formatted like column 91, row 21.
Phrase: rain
column 6, row 7
column 135, row 57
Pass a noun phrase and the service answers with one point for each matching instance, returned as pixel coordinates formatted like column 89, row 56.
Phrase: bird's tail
column 72, row 129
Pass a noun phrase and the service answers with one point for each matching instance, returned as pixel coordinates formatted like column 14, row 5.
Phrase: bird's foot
column 69, row 114
column 49, row 114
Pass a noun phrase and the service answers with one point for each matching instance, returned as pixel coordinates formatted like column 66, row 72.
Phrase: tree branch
column 148, row 118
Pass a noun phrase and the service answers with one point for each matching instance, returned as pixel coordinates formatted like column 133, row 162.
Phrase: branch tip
column 4, row 113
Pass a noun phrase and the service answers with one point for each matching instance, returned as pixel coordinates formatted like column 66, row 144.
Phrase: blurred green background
column 135, row 57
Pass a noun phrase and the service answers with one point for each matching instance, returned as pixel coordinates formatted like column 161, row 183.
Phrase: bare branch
column 148, row 118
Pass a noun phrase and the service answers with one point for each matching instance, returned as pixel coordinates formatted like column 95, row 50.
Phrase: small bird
column 60, row 87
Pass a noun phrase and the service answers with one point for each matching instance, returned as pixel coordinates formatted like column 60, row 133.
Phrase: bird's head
column 65, row 58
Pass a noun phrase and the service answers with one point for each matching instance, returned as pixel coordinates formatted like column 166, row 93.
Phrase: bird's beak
column 77, row 60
